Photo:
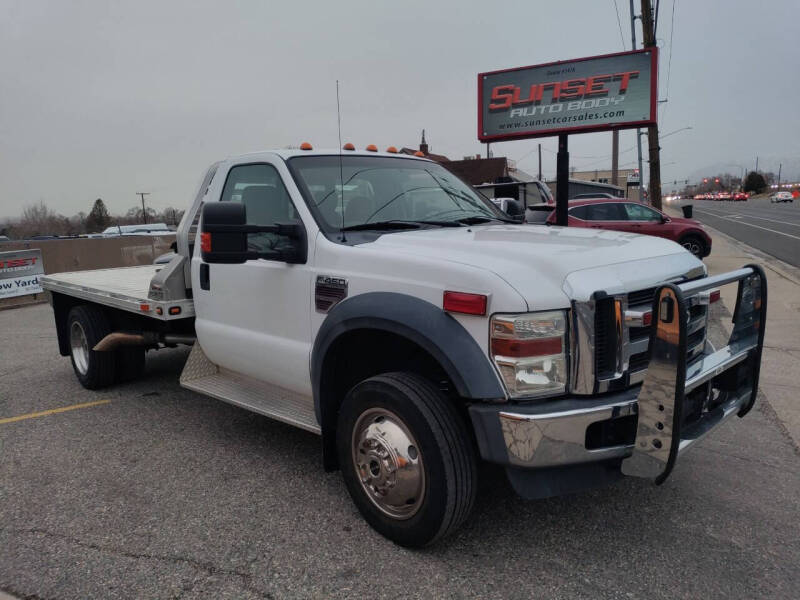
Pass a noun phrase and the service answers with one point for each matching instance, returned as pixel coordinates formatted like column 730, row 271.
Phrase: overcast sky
column 105, row 99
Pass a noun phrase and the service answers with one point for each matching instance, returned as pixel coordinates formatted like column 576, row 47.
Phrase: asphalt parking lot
column 162, row 493
column 772, row 228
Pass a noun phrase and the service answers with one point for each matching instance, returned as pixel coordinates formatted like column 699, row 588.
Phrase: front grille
column 641, row 297
column 606, row 343
column 605, row 339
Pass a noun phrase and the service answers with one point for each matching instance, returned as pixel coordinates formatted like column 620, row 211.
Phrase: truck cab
column 377, row 300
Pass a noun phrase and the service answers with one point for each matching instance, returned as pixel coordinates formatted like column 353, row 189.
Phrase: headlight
column 530, row 351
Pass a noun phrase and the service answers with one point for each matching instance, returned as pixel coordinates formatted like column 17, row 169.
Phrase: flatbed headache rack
column 125, row 288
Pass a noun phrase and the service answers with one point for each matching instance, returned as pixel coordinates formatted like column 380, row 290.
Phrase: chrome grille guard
column 728, row 377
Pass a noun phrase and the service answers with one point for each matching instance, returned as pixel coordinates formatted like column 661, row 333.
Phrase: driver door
column 254, row 318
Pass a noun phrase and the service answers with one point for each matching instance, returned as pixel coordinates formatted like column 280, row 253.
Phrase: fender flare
column 421, row 322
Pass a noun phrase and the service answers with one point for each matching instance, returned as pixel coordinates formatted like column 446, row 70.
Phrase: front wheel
column 694, row 244
column 406, row 458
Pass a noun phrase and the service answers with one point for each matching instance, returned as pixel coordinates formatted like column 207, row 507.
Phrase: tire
column 694, row 244
column 437, row 491
column 129, row 363
column 87, row 325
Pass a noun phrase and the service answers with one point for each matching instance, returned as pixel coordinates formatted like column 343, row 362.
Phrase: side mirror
column 223, row 237
column 514, row 210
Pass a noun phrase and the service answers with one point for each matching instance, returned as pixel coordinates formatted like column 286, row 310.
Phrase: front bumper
column 645, row 429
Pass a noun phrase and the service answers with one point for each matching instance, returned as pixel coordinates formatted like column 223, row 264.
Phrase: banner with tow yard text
column 19, row 273
column 598, row 93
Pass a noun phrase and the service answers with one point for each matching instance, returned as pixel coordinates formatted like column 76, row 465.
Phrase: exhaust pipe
column 147, row 338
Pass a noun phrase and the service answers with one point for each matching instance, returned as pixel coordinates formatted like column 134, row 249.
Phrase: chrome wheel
column 388, row 463
column 79, row 347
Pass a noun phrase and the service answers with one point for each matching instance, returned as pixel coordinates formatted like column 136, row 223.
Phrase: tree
column 134, row 215
column 98, row 218
column 754, row 182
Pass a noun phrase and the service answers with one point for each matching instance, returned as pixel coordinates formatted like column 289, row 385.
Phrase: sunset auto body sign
column 601, row 93
column 20, row 272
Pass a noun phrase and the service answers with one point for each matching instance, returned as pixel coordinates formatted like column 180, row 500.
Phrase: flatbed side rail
column 680, row 403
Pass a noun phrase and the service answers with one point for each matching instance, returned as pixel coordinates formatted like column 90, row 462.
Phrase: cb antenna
column 341, row 170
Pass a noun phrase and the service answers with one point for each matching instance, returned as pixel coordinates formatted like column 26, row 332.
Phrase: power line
column 619, row 24
column 669, row 60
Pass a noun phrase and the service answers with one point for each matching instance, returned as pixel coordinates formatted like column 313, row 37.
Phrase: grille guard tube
column 731, row 371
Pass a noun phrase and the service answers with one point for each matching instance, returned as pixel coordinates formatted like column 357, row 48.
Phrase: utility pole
column 540, row 162
column 144, row 211
column 615, row 156
column 780, row 166
column 638, row 131
column 652, row 131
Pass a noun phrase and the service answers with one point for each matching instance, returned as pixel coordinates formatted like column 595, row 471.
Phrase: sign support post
column 562, row 180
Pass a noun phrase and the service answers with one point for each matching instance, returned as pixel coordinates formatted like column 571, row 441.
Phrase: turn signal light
column 306, row 146
column 714, row 296
column 372, row 148
column 647, row 318
column 461, row 302
column 348, row 146
column 518, row 348
column 205, row 242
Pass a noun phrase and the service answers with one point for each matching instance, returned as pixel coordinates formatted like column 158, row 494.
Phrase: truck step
column 203, row 376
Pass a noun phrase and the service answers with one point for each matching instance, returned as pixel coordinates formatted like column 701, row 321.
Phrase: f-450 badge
column 328, row 292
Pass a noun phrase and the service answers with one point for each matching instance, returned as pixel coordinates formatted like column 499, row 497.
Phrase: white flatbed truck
column 377, row 300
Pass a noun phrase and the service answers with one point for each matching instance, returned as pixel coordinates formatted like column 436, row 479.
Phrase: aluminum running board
column 203, row 376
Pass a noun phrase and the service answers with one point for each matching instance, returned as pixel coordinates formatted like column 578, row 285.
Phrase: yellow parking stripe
column 52, row 411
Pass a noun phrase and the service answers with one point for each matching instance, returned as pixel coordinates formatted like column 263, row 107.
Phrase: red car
column 634, row 217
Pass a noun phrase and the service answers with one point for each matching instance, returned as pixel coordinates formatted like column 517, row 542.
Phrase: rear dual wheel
column 86, row 326
column 406, row 458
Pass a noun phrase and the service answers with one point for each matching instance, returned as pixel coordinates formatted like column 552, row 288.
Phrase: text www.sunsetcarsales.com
column 612, row 114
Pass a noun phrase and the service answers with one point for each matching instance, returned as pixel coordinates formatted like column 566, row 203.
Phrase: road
column 772, row 228
column 147, row 490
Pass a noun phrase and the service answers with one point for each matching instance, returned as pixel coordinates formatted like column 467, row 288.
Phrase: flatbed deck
column 125, row 288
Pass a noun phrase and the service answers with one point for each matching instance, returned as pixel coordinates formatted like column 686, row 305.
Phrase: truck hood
column 537, row 260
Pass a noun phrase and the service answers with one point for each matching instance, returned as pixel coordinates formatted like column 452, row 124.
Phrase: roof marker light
column 418, row 153
column 372, row 148
column 392, row 150
column 348, row 146
column 306, row 146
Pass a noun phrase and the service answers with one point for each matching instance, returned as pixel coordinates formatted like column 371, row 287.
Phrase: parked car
column 626, row 215
column 781, row 197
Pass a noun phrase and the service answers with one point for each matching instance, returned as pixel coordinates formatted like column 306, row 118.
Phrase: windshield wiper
column 477, row 220
column 399, row 224
column 383, row 225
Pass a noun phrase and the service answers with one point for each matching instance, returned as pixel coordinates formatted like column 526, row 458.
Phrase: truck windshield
column 383, row 189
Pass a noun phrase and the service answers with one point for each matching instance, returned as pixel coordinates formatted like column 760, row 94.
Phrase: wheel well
column 362, row 353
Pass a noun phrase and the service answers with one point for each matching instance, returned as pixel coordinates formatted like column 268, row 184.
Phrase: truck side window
column 260, row 188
